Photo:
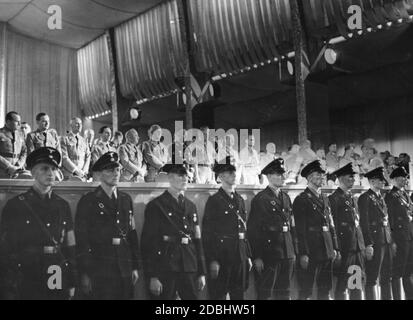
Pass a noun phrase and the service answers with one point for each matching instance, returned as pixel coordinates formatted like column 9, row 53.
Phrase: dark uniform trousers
column 271, row 233
column 317, row 239
column 375, row 225
column 107, row 244
column 28, row 251
column 172, row 247
column 400, row 216
column 225, row 242
column 351, row 243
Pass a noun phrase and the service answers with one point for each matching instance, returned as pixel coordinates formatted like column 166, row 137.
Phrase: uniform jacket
column 374, row 219
column 106, row 235
column 13, row 150
column 347, row 221
column 75, row 153
column 316, row 233
column 171, row 238
column 155, row 154
column 131, row 159
column 271, row 227
column 400, row 214
column 22, row 241
column 224, row 229
column 38, row 139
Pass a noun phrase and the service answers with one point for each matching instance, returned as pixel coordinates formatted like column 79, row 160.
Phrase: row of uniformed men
column 77, row 154
column 37, row 232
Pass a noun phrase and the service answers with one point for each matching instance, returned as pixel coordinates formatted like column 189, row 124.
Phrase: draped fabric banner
column 150, row 52
column 3, row 52
column 333, row 14
column 94, row 77
column 235, row 34
column 41, row 77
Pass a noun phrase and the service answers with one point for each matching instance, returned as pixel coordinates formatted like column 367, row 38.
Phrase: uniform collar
column 175, row 195
column 316, row 192
column 274, row 190
column 378, row 194
column 103, row 192
column 40, row 196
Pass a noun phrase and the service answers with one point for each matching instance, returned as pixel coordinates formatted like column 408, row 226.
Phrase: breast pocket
column 5, row 144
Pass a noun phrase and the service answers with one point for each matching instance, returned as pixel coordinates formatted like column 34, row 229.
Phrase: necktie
column 114, row 200
column 181, row 202
column 45, row 138
column 77, row 142
column 13, row 139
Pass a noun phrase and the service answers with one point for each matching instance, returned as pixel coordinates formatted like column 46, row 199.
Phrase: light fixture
column 290, row 67
column 134, row 113
column 330, row 55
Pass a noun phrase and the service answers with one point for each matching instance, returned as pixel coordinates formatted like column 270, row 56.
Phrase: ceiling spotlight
column 134, row 113
column 330, row 55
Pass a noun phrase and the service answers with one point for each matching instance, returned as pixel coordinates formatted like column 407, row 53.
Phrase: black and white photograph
column 206, row 155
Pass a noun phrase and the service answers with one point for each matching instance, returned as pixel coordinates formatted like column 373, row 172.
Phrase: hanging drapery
column 328, row 18
column 94, row 77
column 41, row 77
column 231, row 35
column 150, row 53
column 3, row 52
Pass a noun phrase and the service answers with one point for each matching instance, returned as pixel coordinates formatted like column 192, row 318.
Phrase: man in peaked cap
column 374, row 221
column 37, row 237
column 108, row 249
column 172, row 249
column 350, row 237
column 271, row 232
column 316, row 235
column 401, row 222
column 226, row 246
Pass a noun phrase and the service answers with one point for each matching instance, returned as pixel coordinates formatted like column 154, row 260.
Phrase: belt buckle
column 185, row 241
column 325, row 228
column 49, row 250
column 241, row 235
column 285, row 229
column 385, row 223
column 116, row 241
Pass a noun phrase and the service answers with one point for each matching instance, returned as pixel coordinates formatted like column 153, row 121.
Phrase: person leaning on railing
column 155, row 153
column 13, row 149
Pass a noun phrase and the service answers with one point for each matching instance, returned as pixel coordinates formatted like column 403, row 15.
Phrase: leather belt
column 49, row 250
column 8, row 155
column 319, row 229
column 183, row 240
